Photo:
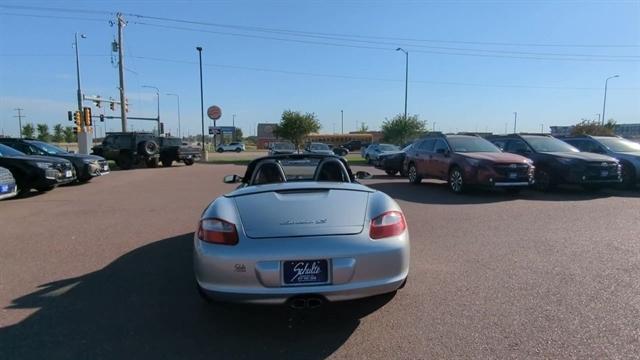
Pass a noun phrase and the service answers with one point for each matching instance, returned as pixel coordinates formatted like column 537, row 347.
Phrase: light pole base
column 84, row 143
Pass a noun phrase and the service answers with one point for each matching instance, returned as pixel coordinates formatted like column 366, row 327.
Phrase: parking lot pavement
column 103, row 270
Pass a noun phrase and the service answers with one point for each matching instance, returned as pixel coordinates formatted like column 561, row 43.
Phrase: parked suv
column 465, row 160
column 233, row 146
column 557, row 162
column 86, row 166
column 373, row 151
column 129, row 148
column 627, row 152
column 172, row 149
column 42, row 173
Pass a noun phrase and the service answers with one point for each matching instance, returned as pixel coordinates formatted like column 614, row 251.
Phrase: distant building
column 630, row 131
column 265, row 135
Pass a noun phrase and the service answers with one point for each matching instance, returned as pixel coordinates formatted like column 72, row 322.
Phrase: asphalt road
column 103, row 271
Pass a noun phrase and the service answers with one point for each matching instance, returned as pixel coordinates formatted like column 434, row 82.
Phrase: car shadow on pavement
column 145, row 305
column 439, row 193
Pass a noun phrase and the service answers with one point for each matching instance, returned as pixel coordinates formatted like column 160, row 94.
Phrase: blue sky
column 257, row 78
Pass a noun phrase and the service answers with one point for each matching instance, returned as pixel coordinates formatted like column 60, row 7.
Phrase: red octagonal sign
column 214, row 112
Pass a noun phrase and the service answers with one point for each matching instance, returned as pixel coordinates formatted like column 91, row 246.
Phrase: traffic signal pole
column 123, row 113
column 84, row 138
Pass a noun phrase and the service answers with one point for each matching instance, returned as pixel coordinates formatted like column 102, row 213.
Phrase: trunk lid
column 308, row 211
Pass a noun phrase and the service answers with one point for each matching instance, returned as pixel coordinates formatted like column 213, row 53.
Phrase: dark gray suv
column 628, row 152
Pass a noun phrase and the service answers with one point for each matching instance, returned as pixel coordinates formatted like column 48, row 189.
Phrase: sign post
column 214, row 112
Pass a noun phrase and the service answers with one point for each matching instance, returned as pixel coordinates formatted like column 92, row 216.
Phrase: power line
column 54, row 17
column 377, row 47
column 66, row 10
column 286, row 31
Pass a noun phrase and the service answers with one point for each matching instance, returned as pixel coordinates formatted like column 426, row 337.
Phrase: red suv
column 466, row 160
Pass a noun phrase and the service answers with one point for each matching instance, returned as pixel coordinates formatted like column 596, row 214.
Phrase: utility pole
column 542, row 128
column 515, row 121
column 406, row 79
column 123, row 112
column 233, row 136
column 342, row 120
column 204, row 152
column 19, row 116
column 604, row 102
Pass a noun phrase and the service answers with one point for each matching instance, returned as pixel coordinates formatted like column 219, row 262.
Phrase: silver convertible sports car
column 300, row 230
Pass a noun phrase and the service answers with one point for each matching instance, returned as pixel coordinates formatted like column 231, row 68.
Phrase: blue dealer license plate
column 305, row 272
column 6, row 189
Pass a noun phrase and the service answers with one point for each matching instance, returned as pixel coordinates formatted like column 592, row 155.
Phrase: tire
column 166, row 162
column 45, row 188
column 219, row 150
column 238, row 150
column 188, row 162
column 148, row 148
column 628, row 176
column 124, row 162
column 152, row 162
column 391, row 172
column 544, row 181
column 412, row 174
column 456, row 180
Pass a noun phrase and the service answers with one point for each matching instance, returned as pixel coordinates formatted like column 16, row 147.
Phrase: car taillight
column 217, row 231
column 390, row 223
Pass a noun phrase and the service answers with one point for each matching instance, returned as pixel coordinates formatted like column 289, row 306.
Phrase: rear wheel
column 544, row 181
column 238, row 149
column 220, row 150
column 456, row 180
column 628, row 176
column 391, row 172
column 152, row 162
column 414, row 178
column 124, row 162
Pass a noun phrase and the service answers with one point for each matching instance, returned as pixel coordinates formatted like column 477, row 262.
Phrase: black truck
column 172, row 149
column 130, row 148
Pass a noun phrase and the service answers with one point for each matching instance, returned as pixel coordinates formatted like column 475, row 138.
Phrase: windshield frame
column 44, row 147
column 6, row 150
column 635, row 147
column 490, row 147
column 536, row 139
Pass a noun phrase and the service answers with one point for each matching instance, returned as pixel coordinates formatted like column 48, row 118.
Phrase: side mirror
column 232, row 179
column 363, row 175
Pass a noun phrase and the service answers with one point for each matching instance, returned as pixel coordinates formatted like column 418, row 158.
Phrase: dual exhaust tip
column 306, row 302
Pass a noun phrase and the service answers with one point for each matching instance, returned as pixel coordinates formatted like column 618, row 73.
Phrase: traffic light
column 70, row 115
column 112, row 106
column 75, row 130
column 77, row 118
column 87, row 116
column 101, row 118
column 97, row 102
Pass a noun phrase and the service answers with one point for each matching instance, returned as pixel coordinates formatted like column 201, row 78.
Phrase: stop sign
column 214, row 112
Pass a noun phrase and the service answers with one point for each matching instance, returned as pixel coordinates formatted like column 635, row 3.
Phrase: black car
column 42, row 173
column 393, row 162
column 557, row 162
column 86, row 166
column 628, row 152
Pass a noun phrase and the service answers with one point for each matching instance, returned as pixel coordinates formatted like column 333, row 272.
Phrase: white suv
column 234, row 146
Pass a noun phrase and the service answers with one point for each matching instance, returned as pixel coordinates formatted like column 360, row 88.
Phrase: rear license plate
column 305, row 272
column 513, row 175
column 604, row 173
column 105, row 168
column 67, row 173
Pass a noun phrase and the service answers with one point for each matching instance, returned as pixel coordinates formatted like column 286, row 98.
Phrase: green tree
column 594, row 127
column 238, row 134
column 43, row 132
column 58, row 134
column 363, row 127
column 69, row 136
column 295, row 126
column 28, row 131
column 399, row 129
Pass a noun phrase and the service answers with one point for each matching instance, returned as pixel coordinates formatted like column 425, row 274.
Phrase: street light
column 515, row 121
column 604, row 103
column 177, row 97
column 75, row 44
column 204, row 153
column 158, row 95
column 233, row 123
column 406, row 78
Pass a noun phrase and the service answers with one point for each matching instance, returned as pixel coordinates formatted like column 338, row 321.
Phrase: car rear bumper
column 357, row 269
